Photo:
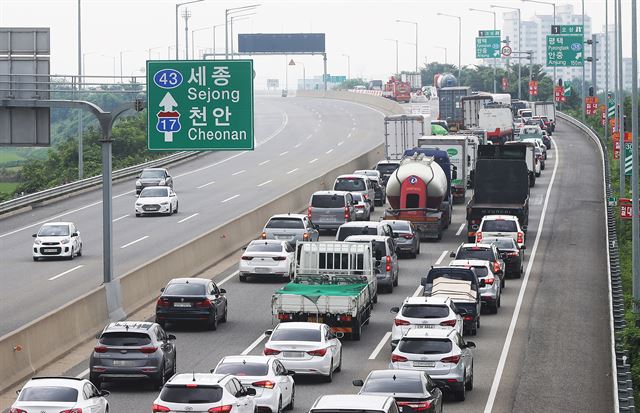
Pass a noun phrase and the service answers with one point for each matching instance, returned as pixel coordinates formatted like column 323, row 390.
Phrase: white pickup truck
column 334, row 283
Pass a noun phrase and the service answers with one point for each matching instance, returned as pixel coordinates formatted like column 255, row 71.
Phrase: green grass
column 8, row 187
column 9, row 156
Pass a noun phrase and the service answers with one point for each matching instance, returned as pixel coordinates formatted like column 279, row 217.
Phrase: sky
column 112, row 29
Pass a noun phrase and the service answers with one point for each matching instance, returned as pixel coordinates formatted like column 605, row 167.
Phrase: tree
column 351, row 83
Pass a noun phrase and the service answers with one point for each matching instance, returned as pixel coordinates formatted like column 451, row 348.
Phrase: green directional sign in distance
column 487, row 47
column 565, row 50
column 611, row 110
column 628, row 158
column 567, row 29
column 200, row 105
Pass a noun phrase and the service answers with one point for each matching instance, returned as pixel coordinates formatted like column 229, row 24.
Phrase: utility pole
column 459, row 42
column 635, row 224
column 584, row 95
column 80, row 125
column 495, row 85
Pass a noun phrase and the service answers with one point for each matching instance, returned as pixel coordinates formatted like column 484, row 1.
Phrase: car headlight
column 37, row 241
column 138, row 183
column 164, row 203
column 64, row 241
column 138, row 204
column 161, row 182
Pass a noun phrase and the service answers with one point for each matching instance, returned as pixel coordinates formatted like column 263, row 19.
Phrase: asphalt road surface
column 546, row 350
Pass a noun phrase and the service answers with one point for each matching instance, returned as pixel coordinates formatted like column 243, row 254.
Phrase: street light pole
column 519, row 44
column 397, row 66
column 584, row 96
column 459, row 42
column 80, row 72
column 495, row 86
column 416, row 27
column 236, row 18
column 554, row 22
column 177, row 21
column 620, row 102
column 193, row 43
column 230, row 12
column 606, row 69
column 445, row 53
column 348, row 65
column 635, row 223
column 214, row 38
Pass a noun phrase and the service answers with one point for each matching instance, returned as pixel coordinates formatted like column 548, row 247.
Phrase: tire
column 461, row 393
column 396, row 281
column 137, row 215
column 177, row 204
column 174, row 370
column 542, row 167
column 469, row 384
column 373, row 207
column 95, row 381
column 243, row 278
column 329, row 378
column 212, row 324
column 503, row 282
column 356, row 330
column 375, row 298
column 224, row 316
column 292, row 403
column 339, row 368
column 158, row 382
column 36, row 258
column 418, row 249
column 538, row 174
column 80, row 251
column 70, row 257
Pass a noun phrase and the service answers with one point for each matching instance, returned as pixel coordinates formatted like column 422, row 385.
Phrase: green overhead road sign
column 567, row 29
column 487, row 47
column 489, row 33
column 628, row 158
column 565, row 50
column 200, row 105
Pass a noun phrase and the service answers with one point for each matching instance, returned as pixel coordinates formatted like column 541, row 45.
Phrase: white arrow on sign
column 167, row 103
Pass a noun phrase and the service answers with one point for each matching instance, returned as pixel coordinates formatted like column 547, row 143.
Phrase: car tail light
column 162, row 302
column 148, row 350
column 247, row 258
column 449, row 323
column 365, row 196
column 397, row 359
column 416, row 406
column 206, row 303
column 344, row 317
column 512, row 254
column 359, row 206
column 520, row 237
column 388, row 260
column 271, row 352
column 305, row 236
column 468, row 318
column 496, row 266
column 284, row 317
column 221, row 409
column 100, row 349
column 263, row 235
column 264, row 383
column 191, row 385
column 320, row 352
column 400, row 322
column 451, row 359
column 309, row 211
column 16, row 410
column 407, row 236
column 279, row 258
column 478, row 236
column 346, row 213
column 489, row 281
column 76, row 410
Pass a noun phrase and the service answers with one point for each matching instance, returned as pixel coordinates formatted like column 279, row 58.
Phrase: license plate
column 262, row 269
column 423, row 326
column 292, row 354
column 124, row 363
column 49, row 250
column 424, row 364
column 151, row 208
column 182, row 305
column 326, row 219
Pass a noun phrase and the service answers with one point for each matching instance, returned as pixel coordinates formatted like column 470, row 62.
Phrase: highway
column 297, row 139
column 547, row 349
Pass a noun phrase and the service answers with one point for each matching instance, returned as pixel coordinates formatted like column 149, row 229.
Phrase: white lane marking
column 122, row 217
column 340, row 143
column 205, row 185
column 285, row 121
column 292, row 171
column 65, row 273
column 417, row 291
column 136, row 241
column 238, row 173
column 298, row 145
column 381, row 344
column 230, row 198
column 188, row 218
column 313, row 160
column 460, row 229
column 124, row 193
column 253, row 345
column 265, row 182
column 329, row 151
column 230, row 276
column 349, row 135
column 309, row 137
column 84, row 374
column 516, row 312
column 264, row 162
column 439, row 260
column 209, row 166
column 284, row 153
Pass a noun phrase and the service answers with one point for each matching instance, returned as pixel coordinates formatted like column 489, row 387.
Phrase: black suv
column 133, row 349
column 153, row 177
column 192, row 299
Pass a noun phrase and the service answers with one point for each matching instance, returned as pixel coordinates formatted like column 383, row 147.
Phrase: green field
column 8, row 187
column 9, row 156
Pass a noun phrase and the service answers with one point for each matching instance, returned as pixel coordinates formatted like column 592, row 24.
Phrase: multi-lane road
column 297, row 140
column 548, row 348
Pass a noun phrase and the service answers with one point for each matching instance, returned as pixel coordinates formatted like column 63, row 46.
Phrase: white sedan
column 268, row 257
column 275, row 388
column 57, row 239
column 157, row 200
column 306, row 348
column 63, row 394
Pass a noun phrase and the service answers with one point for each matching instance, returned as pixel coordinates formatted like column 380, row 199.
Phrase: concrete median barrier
column 387, row 105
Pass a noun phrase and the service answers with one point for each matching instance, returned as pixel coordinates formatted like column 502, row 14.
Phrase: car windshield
column 379, row 247
column 153, row 193
column 54, row 231
column 425, row 345
column 287, row 223
column 373, row 174
column 349, row 184
column 125, row 339
column 499, row 226
column 191, row 395
column 185, row 289
column 243, row 369
column 387, row 168
column 475, row 253
column 296, row 334
column 327, row 201
column 151, row 174
column 481, row 271
column 502, row 243
column 399, row 226
column 393, row 385
column 57, row 394
column 425, row 311
column 344, row 232
column 264, row 247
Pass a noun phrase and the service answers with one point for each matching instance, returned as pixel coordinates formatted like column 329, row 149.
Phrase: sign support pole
column 635, row 223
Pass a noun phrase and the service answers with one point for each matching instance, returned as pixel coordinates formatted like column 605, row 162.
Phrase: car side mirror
column 524, row 228
column 171, row 337
column 524, row 247
column 339, row 334
column 358, row 383
column 75, row 234
column 268, row 332
column 394, row 310
column 223, row 291
column 250, row 391
column 105, row 393
column 470, row 344
column 18, row 392
column 452, row 254
column 162, row 290
column 34, row 235
column 482, row 284
column 462, row 312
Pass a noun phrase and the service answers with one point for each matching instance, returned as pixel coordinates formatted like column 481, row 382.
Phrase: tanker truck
column 415, row 192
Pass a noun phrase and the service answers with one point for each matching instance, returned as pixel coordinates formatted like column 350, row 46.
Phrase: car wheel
column 212, row 323
column 503, row 283
column 469, row 384
column 137, row 215
column 373, row 207
column 35, row 258
column 158, row 382
column 461, row 393
column 95, row 381
column 280, row 405
column 499, row 301
column 418, row 249
column 329, row 377
column 395, row 282
column 224, row 316
column 80, row 251
column 356, row 329
column 243, row 278
column 176, row 211
column 292, row 403
column 70, row 257
column 339, row 368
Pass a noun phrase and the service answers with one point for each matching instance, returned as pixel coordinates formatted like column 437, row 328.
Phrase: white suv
column 205, row 392
column 67, row 394
column 493, row 226
column 424, row 312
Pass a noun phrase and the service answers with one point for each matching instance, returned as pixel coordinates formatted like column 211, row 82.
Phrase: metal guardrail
column 36, row 198
column 621, row 369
